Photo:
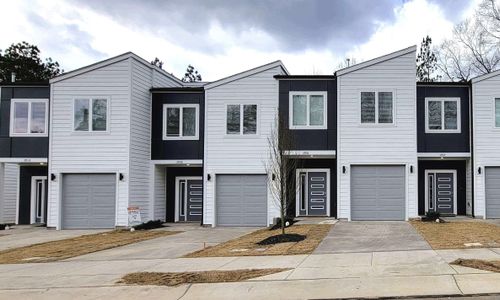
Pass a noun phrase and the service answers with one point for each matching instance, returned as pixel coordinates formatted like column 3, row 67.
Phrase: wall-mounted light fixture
column 344, row 169
column 479, row 170
column 52, row 176
column 209, row 177
column 411, row 169
column 273, row 177
column 121, row 176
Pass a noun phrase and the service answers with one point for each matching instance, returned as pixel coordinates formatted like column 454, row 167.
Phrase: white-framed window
column 91, row 114
column 242, row 119
column 29, row 117
column 442, row 115
column 377, row 107
column 308, row 110
column 497, row 112
column 180, row 121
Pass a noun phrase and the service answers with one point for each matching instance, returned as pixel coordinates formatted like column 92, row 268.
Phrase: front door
column 441, row 191
column 189, row 202
column 312, row 192
column 38, row 198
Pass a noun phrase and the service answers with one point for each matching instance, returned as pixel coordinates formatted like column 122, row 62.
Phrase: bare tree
column 347, row 62
column 281, row 167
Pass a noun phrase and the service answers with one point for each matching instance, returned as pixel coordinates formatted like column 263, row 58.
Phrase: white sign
column 134, row 215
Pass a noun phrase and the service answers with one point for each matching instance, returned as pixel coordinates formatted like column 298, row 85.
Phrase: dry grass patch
column 492, row 266
column 62, row 249
column 247, row 244
column 455, row 235
column 173, row 279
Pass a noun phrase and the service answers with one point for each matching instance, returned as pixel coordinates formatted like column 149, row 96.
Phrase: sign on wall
column 134, row 215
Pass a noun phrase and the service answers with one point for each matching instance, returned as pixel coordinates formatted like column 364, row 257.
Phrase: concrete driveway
column 347, row 237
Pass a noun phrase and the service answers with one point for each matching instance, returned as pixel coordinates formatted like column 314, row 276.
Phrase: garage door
column 241, row 200
column 88, row 201
column 378, row 193
column 492, row 192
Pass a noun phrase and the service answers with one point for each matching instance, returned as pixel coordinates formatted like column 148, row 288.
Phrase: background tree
column 191, row 75
column 426, row 62
column 157, row 62
column 24, row 60
column 281, row 168
column 347, row 62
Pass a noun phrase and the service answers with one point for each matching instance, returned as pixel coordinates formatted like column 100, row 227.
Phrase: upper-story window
column 28, row 117
column 377, row 107
column 442, row 115
column 241, row 119
column 90, row 114
column 497, row 112
column 308, row 110
column 180, row 121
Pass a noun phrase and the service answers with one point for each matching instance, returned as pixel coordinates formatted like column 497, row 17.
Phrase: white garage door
column 241, row 200
column 492, row 192
column 378, row 193
column 88, row 201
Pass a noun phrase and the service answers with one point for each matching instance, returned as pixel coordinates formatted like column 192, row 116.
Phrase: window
column 29, row 117
column 442, row 115
column 90, row 115
column 307, row 110
column 497, row 112
column 377, row 108
column 180, row 121
column 241, row 119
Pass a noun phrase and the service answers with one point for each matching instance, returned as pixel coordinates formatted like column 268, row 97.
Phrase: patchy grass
column 486, row 265
column 62, row 249
column 455, row 235
column 173, row 279
column 247, row 245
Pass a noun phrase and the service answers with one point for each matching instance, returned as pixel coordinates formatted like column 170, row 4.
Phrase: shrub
column 431, row 216
column 149, row 225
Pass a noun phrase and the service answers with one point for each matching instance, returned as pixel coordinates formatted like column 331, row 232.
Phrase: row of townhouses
column 371, row 142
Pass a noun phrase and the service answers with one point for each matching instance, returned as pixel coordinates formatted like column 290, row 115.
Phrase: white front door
column 38, row 198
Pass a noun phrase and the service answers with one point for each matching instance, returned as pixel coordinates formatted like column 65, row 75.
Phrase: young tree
column 191, row 75
column 426, row 62
column 281, row 167
column 24, row 60
column 157, row 62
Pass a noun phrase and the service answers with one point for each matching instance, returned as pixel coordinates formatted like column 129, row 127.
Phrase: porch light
column 121, row 176
column 273, row 176
column 52, row 176
column 209, row 177
column 411, row 169
column 479, row 170
column 344, row 169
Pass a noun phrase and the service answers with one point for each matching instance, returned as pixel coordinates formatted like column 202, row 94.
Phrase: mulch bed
column 174, row 279
column 282, row 238
column 492, row 266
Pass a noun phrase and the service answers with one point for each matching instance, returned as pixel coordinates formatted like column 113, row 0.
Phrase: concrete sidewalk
column 337, row 275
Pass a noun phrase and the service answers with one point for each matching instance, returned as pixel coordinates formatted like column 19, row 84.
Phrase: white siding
column 10, row 193
column 384, row 144
column 486, row 136
column 238, row 154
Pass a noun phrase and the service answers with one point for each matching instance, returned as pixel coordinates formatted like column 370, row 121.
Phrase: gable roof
column 375, row 61
column 247, row 73
column 485, row 76
column 110, row 61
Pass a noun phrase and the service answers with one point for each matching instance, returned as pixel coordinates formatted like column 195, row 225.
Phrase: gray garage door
column 378, row 193
column 492, row 192
column 88, row 201
column 241, row 200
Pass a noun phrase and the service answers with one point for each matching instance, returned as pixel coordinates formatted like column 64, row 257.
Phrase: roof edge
column 485, row 76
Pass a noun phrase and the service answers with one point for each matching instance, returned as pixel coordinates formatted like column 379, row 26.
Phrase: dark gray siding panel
column 443, row 142
column 161, row 149
column 312, row 139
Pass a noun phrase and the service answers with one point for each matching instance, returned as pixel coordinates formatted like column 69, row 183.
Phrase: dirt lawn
column 455, row 235
column 492, row 266
column 62, row 249
column 173, row 279
column 247, row 244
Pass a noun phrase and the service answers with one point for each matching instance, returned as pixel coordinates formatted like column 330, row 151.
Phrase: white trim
column 181, row 107
column 376, row 123
column 91, row 113
column 297, row 189
column 443, row 155
column 241, row 134
column 188, row 162
column 311, row 153
column 308, row 95
column 30, row 101
column 177, row 180
column 18, row 188
column 23, row 160
column 442, row 100
column 426, row 184
column 495, row 127
column 376, row 61
column 33, row 199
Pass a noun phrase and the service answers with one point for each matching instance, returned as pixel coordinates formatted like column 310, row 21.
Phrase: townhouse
column 370, row 143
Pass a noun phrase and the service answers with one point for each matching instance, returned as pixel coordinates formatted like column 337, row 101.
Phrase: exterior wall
column 238, row 154
column 176, row 149
column 22, row 147
column 159, row 193
column 25, row 174
column 443, row 142
column 10, row 193
column 318, row 139
column 389, row 144
column 486, row 136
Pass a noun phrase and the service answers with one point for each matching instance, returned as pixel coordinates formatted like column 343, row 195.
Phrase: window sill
column 181, row 138
column 27, row 135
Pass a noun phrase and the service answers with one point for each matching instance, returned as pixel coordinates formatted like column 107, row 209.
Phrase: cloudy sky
column 222, row 37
